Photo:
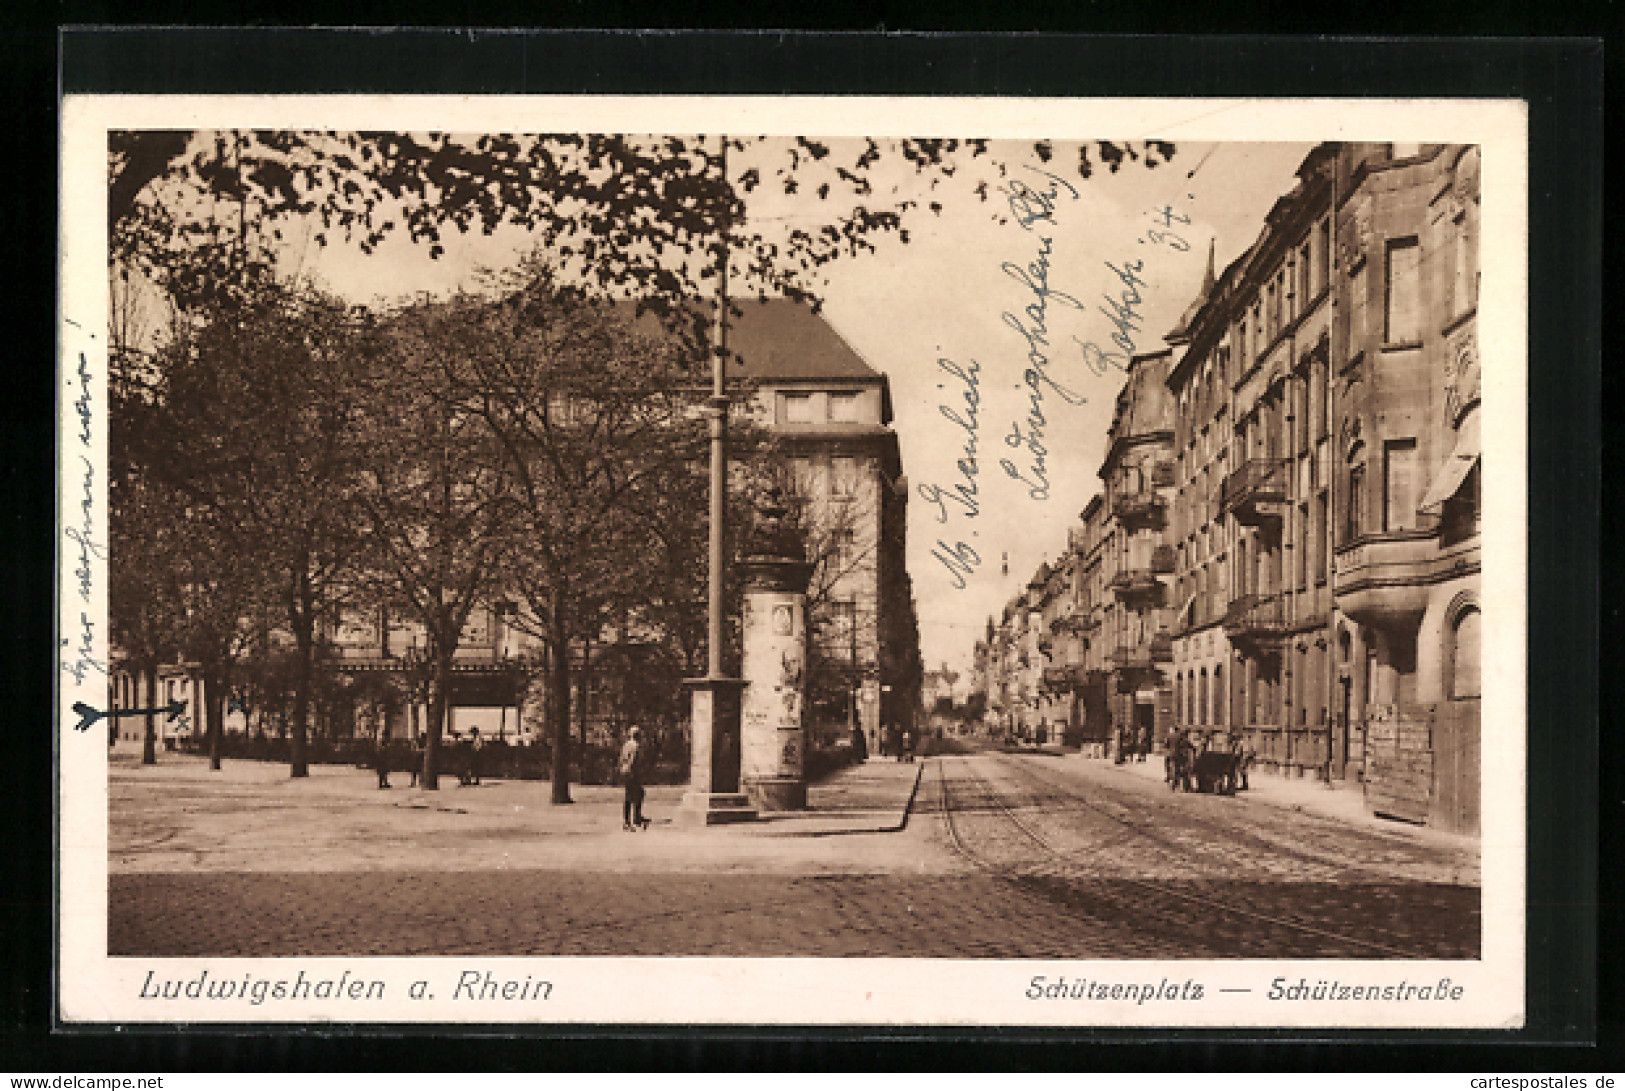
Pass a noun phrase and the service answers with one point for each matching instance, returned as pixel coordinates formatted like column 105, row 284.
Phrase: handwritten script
column 1033, row 205
column 81, row 659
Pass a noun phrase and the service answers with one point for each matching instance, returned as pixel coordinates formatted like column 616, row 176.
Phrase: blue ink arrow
column 88, row 715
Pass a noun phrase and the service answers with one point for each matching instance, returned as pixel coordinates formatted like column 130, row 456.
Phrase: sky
column 963, row 299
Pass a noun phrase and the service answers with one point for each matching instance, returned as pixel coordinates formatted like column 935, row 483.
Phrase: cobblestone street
column 1003, row 857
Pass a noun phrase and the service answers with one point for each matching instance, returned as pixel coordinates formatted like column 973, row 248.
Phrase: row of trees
column 285, row 456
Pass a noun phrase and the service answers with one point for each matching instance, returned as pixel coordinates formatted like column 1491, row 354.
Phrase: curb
column 908, row 805
column 1366, row 820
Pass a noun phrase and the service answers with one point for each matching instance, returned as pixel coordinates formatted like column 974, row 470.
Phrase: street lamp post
column 714, row 745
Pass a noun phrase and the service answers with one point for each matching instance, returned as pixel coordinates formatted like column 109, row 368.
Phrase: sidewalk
column 874, row 796
column 251, row 816
column 1309, row 796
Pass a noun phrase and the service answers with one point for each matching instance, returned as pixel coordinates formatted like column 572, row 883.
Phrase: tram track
column 1169, row 907
column 1341, row 870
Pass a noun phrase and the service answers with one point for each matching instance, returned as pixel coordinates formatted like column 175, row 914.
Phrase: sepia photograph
column 1037, row 577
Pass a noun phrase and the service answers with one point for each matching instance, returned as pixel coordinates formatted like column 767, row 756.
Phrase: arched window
column 1464, row 664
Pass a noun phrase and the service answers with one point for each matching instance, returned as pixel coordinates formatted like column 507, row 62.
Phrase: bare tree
column 249, row 417
column 433, row 487
column 588, row 416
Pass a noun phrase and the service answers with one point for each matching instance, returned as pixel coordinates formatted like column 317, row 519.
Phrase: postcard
column 842, row 562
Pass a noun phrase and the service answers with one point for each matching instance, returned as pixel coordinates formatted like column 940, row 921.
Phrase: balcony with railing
column 1143, row 656
column 1076, row 621
column 1256, row 492
column 1256, row 622
column 1057, row 679
column 1137, row 584
column 1130, row 657
column 1138, row 509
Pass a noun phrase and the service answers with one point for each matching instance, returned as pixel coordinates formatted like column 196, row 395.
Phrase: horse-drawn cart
column 1208, row 769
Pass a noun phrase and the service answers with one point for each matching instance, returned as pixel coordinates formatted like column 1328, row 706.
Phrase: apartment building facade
column 1287, row 550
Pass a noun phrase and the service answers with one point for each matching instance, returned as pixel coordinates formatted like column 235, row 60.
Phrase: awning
column 1456, row 467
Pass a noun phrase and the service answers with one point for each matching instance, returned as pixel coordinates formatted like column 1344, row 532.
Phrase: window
column 1319, row 419
column 1202, row 697
column 1299, row 414
column 845, row 548
column 798, row 408
column 561, row 408
column 1323, row 255
column 801, row 476
column 1354, row 512
column 843, row 407
column 843, row 475
column 1304, row 534
column 1398, row 484
column 1317, row 537
column 1459, row 516
column 1304, row 290
column 1218, row 694
column 843, row 628
column 1464, row 673
column 1462, row 285
column 1402, row 322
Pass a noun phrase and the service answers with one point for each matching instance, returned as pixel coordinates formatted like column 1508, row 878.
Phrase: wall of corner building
column 1403, row 591
column 1326, row 649
column 877, row 583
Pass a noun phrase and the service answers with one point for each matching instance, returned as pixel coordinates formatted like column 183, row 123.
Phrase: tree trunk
column 214, row 712
column 584, row 691
column 149, row 739
column 304, row 669
column 559, row 703
column 439, row 701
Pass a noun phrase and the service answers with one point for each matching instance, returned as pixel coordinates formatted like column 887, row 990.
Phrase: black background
column 1561, row 81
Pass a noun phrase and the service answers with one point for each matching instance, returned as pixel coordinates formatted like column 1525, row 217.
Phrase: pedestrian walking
column 380, row 758
column 476, row 747
column 633, row 768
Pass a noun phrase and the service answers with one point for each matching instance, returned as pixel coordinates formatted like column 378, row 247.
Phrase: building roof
column 782, row 341
column 778, row 339
column 1143, row 410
